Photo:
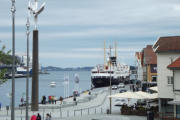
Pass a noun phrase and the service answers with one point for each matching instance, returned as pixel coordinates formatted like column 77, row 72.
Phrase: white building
column 175, row 68
column 139, row 66
column 167, row 50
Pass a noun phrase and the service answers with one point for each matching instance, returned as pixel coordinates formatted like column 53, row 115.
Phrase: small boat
column 53, row 84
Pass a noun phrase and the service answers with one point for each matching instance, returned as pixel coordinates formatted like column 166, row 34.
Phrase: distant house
column 168, row 50
column 147, row 64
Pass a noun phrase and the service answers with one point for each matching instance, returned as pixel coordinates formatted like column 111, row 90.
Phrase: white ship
column 112, row 71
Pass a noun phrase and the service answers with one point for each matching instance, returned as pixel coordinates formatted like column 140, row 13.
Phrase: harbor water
column 44, row 85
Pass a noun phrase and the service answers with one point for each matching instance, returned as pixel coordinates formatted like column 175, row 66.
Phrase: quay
column 92, row 106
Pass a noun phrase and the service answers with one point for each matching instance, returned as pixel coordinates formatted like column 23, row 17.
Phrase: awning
column 154, row 88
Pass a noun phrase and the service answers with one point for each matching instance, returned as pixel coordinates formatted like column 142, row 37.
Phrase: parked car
column 114, row 87
column 121, row 85
column 122, row 90
column 120, row 102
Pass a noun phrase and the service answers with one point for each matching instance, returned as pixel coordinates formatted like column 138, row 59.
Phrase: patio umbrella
column 146, row 95
column 154, row 88
column 130, row 95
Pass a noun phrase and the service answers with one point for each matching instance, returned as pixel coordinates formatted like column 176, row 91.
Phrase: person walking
column 0, row 105
column 33, row 117
column 48, row 116
column 38, row 117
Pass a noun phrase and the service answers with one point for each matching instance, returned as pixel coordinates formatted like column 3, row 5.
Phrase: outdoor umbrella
column 145, row 95
column 130, row 95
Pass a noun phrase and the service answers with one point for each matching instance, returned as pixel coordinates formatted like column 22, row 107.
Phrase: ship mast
column 104, row 54
column 115, row 49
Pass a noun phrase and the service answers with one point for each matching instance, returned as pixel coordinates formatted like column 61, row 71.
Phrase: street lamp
column 13, row 10
column 27, row 79
column 110, row 87
column 33, row 8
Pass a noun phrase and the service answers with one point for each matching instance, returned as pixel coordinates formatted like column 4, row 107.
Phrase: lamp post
column 33, row 8
column 110, row 87
column 13, row 10
column 27, row 79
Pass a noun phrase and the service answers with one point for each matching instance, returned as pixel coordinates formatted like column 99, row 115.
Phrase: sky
column 72, row 32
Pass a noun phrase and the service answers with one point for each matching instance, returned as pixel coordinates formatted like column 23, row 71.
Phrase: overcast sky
column 72, row 32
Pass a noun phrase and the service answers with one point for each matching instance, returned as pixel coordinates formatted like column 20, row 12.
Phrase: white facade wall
column 177, row 80
column 163, row 60
column 139, row 71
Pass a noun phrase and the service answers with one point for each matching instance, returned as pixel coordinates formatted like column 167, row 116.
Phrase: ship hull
column 103, row 82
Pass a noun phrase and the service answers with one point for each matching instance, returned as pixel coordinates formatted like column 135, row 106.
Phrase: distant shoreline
column 52, row 68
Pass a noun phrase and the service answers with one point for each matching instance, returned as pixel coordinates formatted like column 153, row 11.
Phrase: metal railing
column 57, row 112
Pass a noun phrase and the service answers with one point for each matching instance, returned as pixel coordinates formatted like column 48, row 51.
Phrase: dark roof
column 167, row 44
column 175, row 64
column 149, row 55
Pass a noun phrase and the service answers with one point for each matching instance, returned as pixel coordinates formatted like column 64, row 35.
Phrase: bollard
column 81, row 112
column 43, row 113
column 21, row 111
column 95, row 110
column 74, row 113
column 88, row 111
column 68, row 113
column 101, row 111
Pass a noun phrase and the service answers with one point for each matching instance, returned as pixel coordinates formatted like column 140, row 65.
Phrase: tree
column 5, row 58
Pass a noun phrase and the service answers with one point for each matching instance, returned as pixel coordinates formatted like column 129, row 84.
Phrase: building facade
column 147, row 64
column 167, row 50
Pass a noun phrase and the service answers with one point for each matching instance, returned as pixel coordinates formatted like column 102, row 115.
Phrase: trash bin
column 108, row 111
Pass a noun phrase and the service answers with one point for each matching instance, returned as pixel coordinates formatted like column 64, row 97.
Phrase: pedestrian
column 61, row 99
column 48, row 116
column 0, row 105
column 33, row 117
column 22, row 101
column 38, row 117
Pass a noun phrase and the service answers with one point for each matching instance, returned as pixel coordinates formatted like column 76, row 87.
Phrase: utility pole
column 13, row 10
column 27, row 79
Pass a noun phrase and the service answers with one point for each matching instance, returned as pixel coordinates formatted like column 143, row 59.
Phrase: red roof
column 149, row 55
column 167, row 44
column 175, row 64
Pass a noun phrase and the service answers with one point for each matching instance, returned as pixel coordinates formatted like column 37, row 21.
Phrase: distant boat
column 53, row 84
column 23, row 70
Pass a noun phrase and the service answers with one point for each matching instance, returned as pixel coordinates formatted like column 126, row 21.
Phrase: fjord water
column 44, row 85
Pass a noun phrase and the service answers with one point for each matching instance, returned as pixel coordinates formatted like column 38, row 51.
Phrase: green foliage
column 5, row 58
column 2, row 76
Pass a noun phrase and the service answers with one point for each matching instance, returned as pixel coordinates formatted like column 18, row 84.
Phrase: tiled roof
column 175, row 64
column 149, row 55
column 167, row 44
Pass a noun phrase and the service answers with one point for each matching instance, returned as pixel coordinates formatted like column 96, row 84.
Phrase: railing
column 57, row 112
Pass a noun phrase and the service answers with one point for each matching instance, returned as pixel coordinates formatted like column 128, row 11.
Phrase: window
column 154, row 78
column 169, row 80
